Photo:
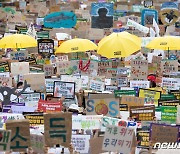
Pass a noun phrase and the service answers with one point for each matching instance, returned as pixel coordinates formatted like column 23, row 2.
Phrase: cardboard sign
column 35, row 119
column 37, row 143
column 139, row 84
column 36, row 81
column 132, row 101
column 171, row 83
column 168, row 113
column 116, row 122
column 95, row 34
column 6, row 81
column 46, row 106
column 98, row 104
column 169, row 66
column 19, row 55
column 30, row 99
column 159, row 133
column 48, row 70
column 86, row 122
column 5, row 140
column 20, row 134
column 66, row 89
column 62, row 67
column 96, row 85
column 151, row 96
column 118, row 139
column 96, row 144
column 142, row 113
column 143, row 138
column 57, row 129
column 50, row 84
column 19, row 68
column 83, row 145
column 139, row 69
column 120, row 93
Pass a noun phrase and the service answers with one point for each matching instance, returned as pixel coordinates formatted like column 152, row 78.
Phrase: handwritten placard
column 132, row 101
column 105, row 104
column 86, row 122
column 96, row 85
column 139, row 84
column 118, row 139
column 30, row 99
column 19, row 68
column 81, row 143
column 110, row 88
column 151, row 96
column 142, row 113
column 20, row 134
column 58, row 129
column 48, row 70
column 5, row 140
column 36, row 81
column 139, row 69
column 158, row 133
column 169, row 66
column 171, row 83
column 62, row 67
column 66, row 89
column 19, row 55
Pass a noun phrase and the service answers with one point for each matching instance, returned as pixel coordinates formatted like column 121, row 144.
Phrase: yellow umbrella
column 17, row 41
column 119, row 45
column 165, row 43
column 76, row 45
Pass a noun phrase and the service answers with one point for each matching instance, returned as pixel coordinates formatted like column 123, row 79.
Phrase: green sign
column 168, row 114
column 165, row 97
column 43, row 35
column 119, row 93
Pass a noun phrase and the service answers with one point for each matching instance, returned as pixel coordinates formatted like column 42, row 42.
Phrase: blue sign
column 60, row 20
column 147, row 16
column 169, row 5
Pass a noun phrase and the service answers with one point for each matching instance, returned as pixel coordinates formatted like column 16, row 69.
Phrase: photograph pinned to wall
column 102, row 15
column 169, row 13
column 147, row 16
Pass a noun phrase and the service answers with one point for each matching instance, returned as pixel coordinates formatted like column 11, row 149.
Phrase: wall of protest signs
column 66, row 89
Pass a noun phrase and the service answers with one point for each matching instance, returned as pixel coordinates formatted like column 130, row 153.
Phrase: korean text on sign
column 118, row 139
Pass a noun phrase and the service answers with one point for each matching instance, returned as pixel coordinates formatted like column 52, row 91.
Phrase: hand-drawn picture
column 102, row 15
column 147, row 16
column 60, row 20
column 169, row 13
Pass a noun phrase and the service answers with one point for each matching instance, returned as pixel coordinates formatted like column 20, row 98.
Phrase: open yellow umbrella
column 119, row 45
column 17, row 41
column 76, row 45
column 165, row 43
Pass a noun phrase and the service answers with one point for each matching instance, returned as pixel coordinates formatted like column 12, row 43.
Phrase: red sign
column 47, row 106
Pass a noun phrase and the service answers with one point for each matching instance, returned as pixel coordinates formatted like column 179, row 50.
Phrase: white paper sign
column 171, row 83
column 86, row 122
column 19, row 68
column 97, row 85
column 50, row 84
column 139, row 84
column 81, row 143
column 118, row 139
